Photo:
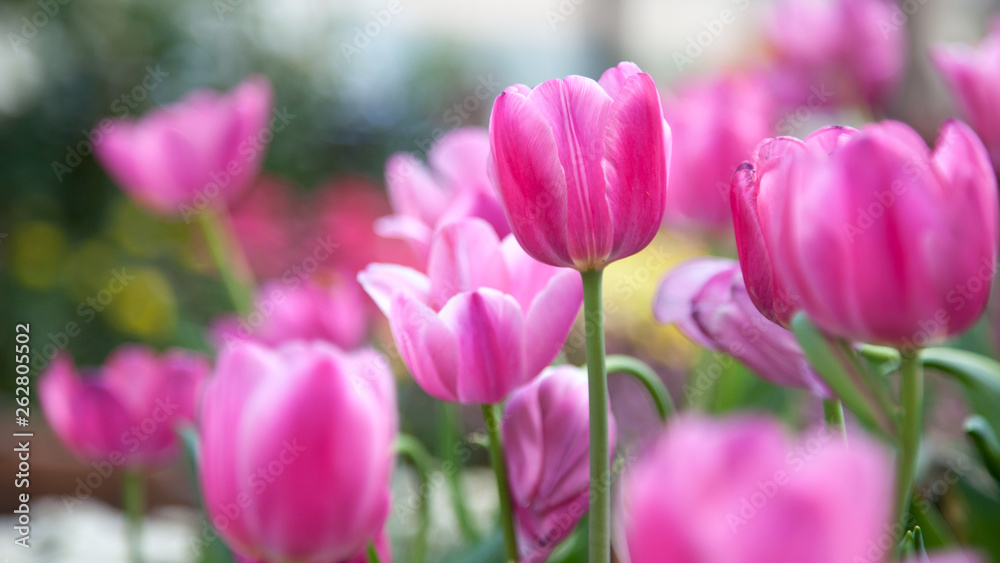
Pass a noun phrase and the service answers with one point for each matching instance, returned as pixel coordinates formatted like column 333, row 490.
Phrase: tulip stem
column 373, row 554
column 229, row 259
column 493, row 416
column 911, row 403
column 412, row 448
column 648, row 378
column 833, row 414
column 450, row 440
column 600, row 447
column 134, row 501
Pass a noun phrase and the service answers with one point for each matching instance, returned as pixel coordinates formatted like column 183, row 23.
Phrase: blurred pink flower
column 455, row 186
column 125, row 413
column 484, row 320
column 715, row 125
column 838, row 51
column 199, row 152
column 545, row 437
column 708, row 300
column 581, row 166
column 296, row 451
column 876, row 237
column 974, row 78
column 266, row 222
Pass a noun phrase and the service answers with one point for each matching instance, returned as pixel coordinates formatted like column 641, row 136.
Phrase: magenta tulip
column 456, row 186
column 739, row 491
column 582, row 166
column 296, row 451
column 330, row 306
column 873, row 235
column 707, row 299
column 715, row 124
column 545, row 437
column 127, row 412
column 974, row 78
column 484, row 320
column 199, row 152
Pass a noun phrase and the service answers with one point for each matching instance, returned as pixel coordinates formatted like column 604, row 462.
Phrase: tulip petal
column 550, row 319
column 383, row 281
column 465, row 256
column 428, row 346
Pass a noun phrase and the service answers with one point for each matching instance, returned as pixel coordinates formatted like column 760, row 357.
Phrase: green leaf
column 978, row 374
column 985, row 439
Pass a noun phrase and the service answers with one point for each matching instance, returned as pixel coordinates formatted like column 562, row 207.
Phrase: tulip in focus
column 484, row 320
column 708, row 300
column 545, row 437
column 581, row 166
column 296, row 451
column 872, row 234
column 974, row 78
column 127, row 412
column 200, row 152
column 455, row 186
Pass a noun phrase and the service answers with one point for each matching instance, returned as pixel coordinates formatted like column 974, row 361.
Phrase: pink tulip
column 739, row 491
column 456, row 185
column 716, row 125
column 201, row 151
column 484, row 320
column 582, row 166
column 545, row 431
column 265, row 223
column 327, row 306
column 125, row 413
column 297, row 451
column 708, row 300
column 873, row 235
column 838, row 51
column 974, row 78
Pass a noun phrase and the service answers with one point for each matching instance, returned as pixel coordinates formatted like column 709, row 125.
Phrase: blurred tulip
column 328, row 306
column 486, row 318
column 838, row 51
column 582, row 166
column 739, row 491
column 974, row 78
column 201, row 151
column 265, row 222
column 877, row 238
column 715, row 125
column 456, row 185
column 708, row 300
column 545, row 437
column 126, row 413
column 296, row 451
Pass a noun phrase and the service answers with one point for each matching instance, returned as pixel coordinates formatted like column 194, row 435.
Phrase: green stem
column 449, row 440
column 412, row 448
column 600, row 448
column 134, row 500
column 649, row 379
column 911, row 403
column 229, row 260
column 373, row 554
column 833, row 414
column 492, row 415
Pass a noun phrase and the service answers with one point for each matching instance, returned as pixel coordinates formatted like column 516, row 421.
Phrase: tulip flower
column 974, row 79
column 328, row 306
column 707, row 299
column 715, row 124
column 838, row 51
column 127, row 412
column 296, row 451
column 873, row 235
column 200, row 152
column 484, row 320
column 581, row 166
column 545, row 436
column 456, row 185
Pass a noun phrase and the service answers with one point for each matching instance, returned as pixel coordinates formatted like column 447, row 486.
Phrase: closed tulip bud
column 296, row 451
column 200, row 152
column 545, row 437
column 707, row 299
column 872, row 234
column 128, row 411
column 484, row 320
column 581, row 166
